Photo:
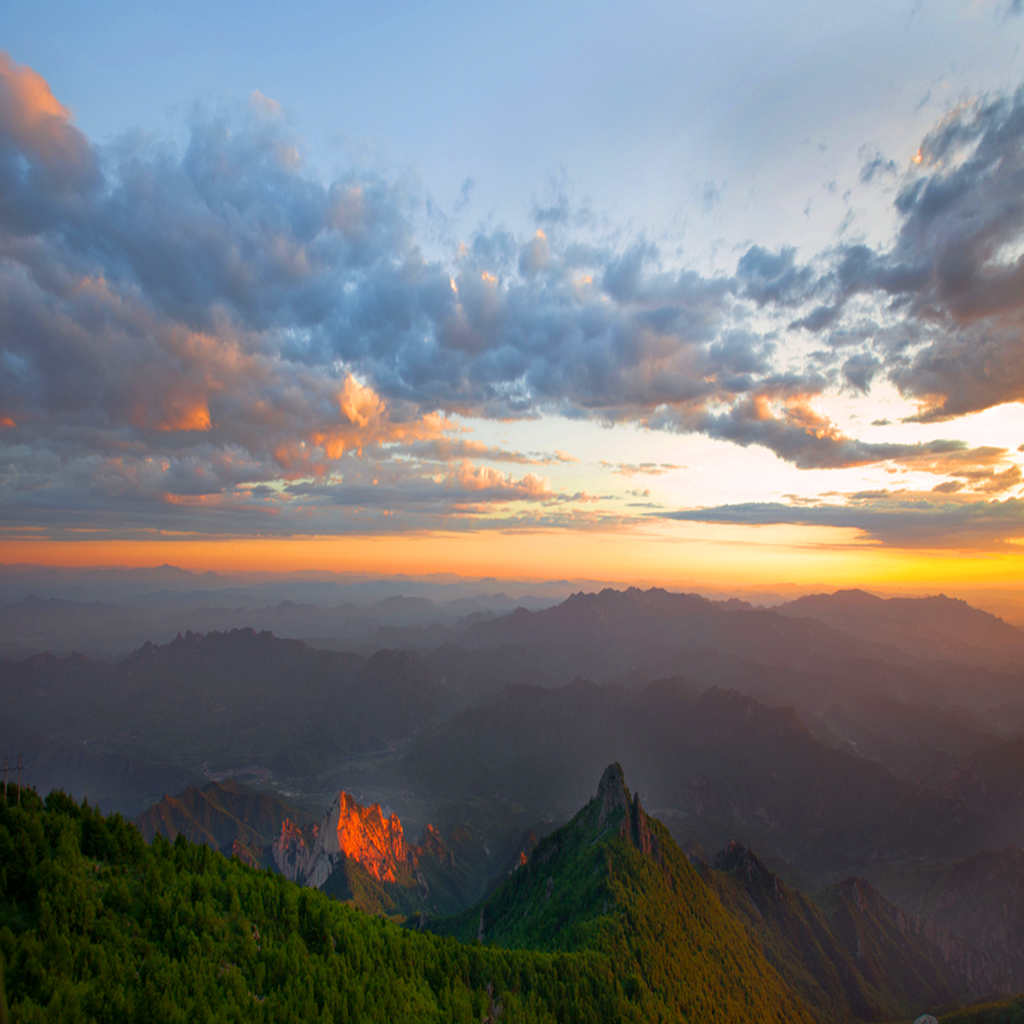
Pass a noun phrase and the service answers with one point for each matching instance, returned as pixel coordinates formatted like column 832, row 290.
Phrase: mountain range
column 869, row 750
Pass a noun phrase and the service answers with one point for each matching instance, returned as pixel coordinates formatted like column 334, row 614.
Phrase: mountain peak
column 352, row 833
column 614, row 799
column 612, row 792
column 613, row 881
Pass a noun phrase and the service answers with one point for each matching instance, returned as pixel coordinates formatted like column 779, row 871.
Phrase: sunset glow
column 720, row 557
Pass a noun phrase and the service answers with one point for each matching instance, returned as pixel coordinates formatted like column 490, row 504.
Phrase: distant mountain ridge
column 939, row 625
column 811, row 654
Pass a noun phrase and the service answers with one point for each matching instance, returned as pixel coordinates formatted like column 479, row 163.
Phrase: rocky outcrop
column 353, row 834
column 367, row 836
column 612, row 793
column 614, row 799
column 294, row 855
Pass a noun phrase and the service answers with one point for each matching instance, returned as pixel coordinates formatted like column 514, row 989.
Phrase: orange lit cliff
column 364, row 835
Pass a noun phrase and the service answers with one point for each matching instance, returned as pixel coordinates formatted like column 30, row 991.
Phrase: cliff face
column 351, row 834
column 366, row 836
column 613, row 797
column 293, row 856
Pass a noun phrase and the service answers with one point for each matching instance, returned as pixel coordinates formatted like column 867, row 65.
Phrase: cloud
column 876, row 167
column 954, row 279
column 860, row 370
column 216, row 306
column 483, row 481
column 781, row 418
column 44, row 159
column 774, row 277
column 898, row 519
column 710, row 195
column 450, row 449
column 631, row 469
column 962, row 510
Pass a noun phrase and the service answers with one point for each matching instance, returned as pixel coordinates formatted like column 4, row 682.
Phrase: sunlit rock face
column 363, row 835
column 294, row 856
column 367, row 836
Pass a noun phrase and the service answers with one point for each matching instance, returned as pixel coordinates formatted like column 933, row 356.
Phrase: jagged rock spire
column 612, row 792
column 614, row 796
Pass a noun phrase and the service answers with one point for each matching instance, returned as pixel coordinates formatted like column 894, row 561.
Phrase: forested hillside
column 96, row 925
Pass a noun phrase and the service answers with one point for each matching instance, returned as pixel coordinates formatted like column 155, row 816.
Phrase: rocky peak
column 614, row 798
column 612, row 792
column 369, row 837
column 364, row 835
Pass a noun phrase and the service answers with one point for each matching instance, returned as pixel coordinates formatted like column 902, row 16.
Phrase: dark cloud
column 741, row 352
column 876, row 167
column 774, row 277
column 955, row 277
column 901, row 520
column 48, row 171
column 786, row 424
column 818, row 318
column 207, row 493
column 860, row 370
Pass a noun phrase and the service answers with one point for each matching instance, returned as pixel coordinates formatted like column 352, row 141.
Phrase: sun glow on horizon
column 720, row 556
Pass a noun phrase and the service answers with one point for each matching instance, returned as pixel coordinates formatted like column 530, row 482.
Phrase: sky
column 673, row 293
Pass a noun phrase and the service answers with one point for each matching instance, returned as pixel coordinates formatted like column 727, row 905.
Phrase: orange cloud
column 7, row 421
column 982, row 470
column 38, row 121
column 799, row 412
column 194, row 500
column 359, row 403
column 484, row 478
column 367, row 422
column 187, row 416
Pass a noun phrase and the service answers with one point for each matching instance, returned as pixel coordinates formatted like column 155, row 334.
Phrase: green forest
column 96, row 925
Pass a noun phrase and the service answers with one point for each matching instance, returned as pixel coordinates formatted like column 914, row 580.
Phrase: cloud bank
column 210, row 338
